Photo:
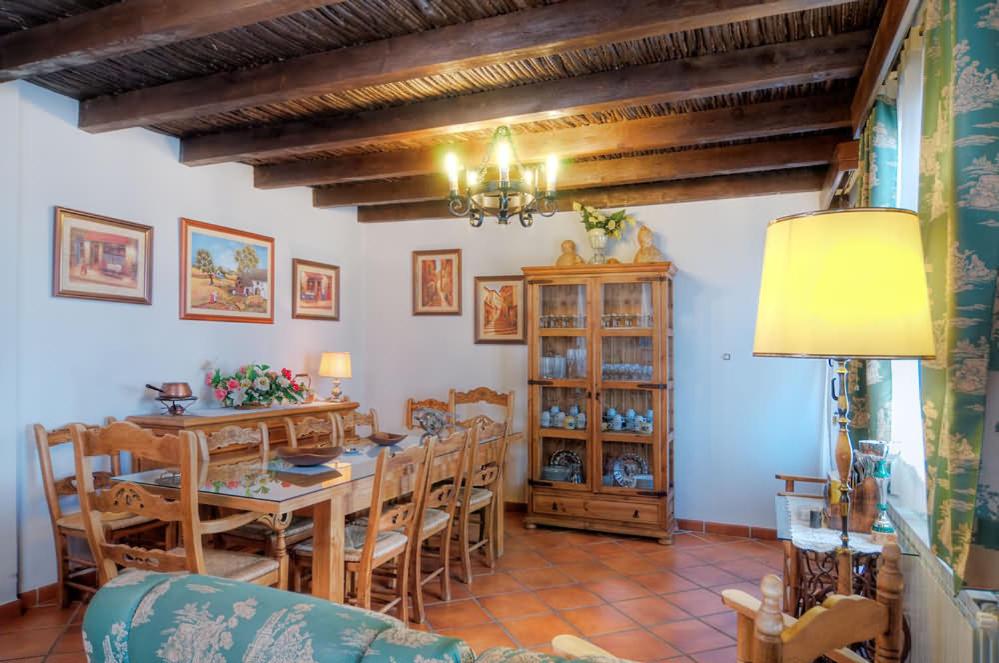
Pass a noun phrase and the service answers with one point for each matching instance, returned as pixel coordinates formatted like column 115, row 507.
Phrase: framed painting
column 500, row 309
column 97, row 257
column 437, row 282
column 315, row 290
column 225, row 274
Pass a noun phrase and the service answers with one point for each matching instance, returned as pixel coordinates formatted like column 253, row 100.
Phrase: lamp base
column 337, row 396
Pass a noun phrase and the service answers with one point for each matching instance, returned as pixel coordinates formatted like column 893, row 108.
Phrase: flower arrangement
column 256, row 385
column 612, row 224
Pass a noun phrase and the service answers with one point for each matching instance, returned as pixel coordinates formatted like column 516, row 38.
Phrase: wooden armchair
column 766, row 635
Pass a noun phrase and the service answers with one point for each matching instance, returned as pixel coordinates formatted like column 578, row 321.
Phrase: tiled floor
column 635, row 598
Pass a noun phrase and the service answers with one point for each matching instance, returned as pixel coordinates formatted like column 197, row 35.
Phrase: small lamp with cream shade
column 841, row 285
column 335, row 365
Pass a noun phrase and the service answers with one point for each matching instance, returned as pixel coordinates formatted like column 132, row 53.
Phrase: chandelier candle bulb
column 451, row 167
column 503, row 160
column 551, row 168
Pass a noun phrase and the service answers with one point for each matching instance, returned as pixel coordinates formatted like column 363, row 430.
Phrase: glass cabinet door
column 562, row 315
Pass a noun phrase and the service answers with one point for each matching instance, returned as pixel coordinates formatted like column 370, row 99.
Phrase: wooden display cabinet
column 600, row 341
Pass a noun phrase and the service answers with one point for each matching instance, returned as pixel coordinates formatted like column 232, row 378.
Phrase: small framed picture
column 97, row 257
column 437, row 282
column 500, row 309
column 315, row 290
column 225, row 274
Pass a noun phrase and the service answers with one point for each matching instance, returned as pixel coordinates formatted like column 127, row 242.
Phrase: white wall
column 82, row 360
column 737, row 422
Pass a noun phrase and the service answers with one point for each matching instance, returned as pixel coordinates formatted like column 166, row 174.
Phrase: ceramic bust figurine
column 569, row 256
column 647, row 251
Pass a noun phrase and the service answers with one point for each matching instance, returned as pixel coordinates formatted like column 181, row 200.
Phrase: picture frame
column 101, row 258
column 226, row 274
column 500, row 310
column 437, row 282
column 315, row 290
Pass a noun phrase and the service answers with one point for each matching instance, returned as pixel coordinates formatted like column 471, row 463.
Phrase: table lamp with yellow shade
column 841, row 285
column 335, row 365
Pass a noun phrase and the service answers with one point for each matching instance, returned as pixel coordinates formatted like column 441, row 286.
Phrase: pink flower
column 232, row 484
column 233, row 384
column 221, row 393
column 208, row 379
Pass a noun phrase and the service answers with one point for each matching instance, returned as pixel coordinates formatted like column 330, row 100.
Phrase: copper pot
column 173, row 389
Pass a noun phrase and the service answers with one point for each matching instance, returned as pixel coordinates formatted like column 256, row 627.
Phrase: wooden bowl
column 387, row 439
column 308, row 456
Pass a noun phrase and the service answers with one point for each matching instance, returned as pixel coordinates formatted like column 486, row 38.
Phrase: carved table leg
column 791, row 579
column 279, row 524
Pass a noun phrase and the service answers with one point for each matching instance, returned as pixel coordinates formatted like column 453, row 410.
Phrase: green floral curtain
column 877, row 186
column 959, row 211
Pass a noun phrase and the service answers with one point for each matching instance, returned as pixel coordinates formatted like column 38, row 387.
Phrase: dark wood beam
column 689, row 164
column 773, row 118
column 525, row 34
column 655, row 193
column 846, row 159
column 895, row 22
column 793, row 63
column 130, row 27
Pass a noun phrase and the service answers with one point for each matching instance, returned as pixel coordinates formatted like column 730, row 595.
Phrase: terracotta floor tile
column 692, row 635
column 517, row 559
column 75, row 657
column 605, row 549
column 651, row 610
column 432, row 592
column 685, row 540
column 617, row 589
column 588, row 571
column 751, row 588
column 70, row 642
column 664, row 582
column 642, row 546
column 726, row 655
column 22, row 644
column 719, row 553
column 724, row 622
column 697, row 602
column 542, row 578
column 672, row 559
column 518, row 604
column 482, row 637
column 708, row 575
column 567, row 598
column 47, row 617
column 567, row 555
column 746, row 568
column 456, row 614
column 637, row 645
column 598, row 619
column 538, row 630
column 497, row 583
column 630, row 564
column 721, row 538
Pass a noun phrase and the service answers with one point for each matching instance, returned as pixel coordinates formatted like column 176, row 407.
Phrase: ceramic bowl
column 556, row 472
column 387, row 439
column 308, row 456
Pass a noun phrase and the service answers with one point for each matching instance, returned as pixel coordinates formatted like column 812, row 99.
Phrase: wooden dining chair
column 314, row 431
column 182, row 452
column 349, row 421
column 413, row 404
column 235, row 439
column 68, row 531
column 381, row 541
column 479, row 495
column 436, row 518
column 766, row 635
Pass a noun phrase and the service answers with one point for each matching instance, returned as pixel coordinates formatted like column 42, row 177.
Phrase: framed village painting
column 315, row 290
column 225, row 274
column 437, row 282
column 97, row 257
column 500, row 309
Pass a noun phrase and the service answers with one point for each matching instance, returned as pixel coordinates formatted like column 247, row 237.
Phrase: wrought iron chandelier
column 501, row 186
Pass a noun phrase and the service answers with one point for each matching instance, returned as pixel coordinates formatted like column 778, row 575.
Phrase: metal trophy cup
column 876, row 458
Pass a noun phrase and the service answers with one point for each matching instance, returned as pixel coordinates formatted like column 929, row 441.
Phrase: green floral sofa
column 144, row 617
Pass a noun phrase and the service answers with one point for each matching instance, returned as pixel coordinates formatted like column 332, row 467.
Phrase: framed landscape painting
column 315, row 290
column 97, row 257
column 437, row 282
column 500, row 309
column 225, row 274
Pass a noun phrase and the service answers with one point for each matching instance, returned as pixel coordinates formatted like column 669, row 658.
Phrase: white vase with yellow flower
column 600, row 227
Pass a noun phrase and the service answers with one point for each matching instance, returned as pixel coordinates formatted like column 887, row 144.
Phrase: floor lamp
column 841, row 285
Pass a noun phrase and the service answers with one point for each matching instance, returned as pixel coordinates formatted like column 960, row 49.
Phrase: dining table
column 276, row 489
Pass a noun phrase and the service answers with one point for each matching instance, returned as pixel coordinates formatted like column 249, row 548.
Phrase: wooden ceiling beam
column 888, row 40
column 689, row 164
column 793, row 63
column 846, row 159
column 529, row 33
column 130, row 27
column 655, row 193
column 763, row 120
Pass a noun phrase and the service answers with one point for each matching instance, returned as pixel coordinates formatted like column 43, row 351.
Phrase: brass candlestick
column 844, row 450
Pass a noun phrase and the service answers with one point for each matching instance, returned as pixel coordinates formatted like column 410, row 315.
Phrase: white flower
column 244, row 383
column 262, row 384
column 237, row 396
column 283, row 382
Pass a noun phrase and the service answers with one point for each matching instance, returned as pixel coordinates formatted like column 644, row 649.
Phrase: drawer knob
column 554, row 506
column 635, row 515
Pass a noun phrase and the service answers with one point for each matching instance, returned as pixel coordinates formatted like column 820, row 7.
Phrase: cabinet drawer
column 635, row 512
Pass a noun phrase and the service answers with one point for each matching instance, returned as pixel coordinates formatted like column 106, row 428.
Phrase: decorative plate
column 626, row 469
column 571, row 459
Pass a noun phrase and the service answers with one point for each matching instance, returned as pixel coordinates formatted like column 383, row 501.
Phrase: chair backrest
column 314, row 431
column 413, row 404
column 410, row 471
column 453, row 442
column 484, row 472
column 464, row 406
column 235, row 438
column 65, row 486
column 180, row 451
column 351, row 420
